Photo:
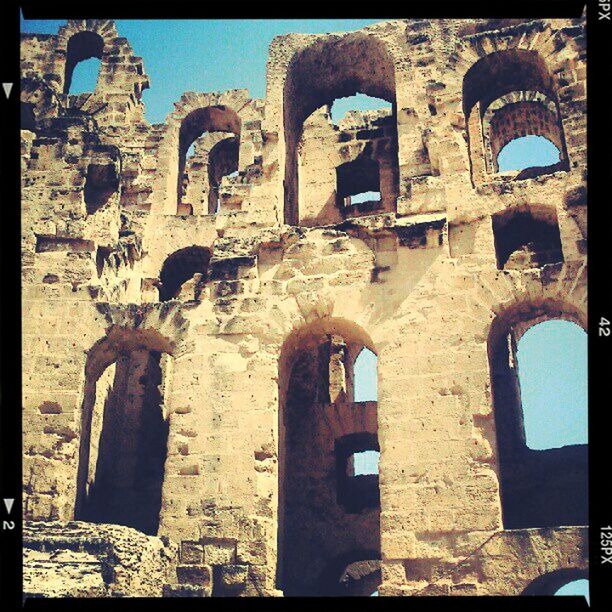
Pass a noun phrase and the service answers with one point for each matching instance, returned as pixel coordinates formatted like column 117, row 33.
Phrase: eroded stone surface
column 191, row 324
column 76, row 559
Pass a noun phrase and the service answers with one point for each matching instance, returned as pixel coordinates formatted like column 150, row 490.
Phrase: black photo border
column 599, row 139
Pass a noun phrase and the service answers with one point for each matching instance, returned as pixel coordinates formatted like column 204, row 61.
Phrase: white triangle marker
column 9, row 504
column 7, row 89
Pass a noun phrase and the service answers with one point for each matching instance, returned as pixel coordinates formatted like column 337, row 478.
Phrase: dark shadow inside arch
column 123, row 443
column 326, row 510
column 526, row 240
column 353, row 574
column 355, row 178
column 180, row 267
column 222, row 161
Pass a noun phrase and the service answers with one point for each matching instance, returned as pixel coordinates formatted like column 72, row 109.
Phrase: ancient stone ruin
column 192, row 322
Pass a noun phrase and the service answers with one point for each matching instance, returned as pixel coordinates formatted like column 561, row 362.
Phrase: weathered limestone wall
column 324, row 147
column 418, row 282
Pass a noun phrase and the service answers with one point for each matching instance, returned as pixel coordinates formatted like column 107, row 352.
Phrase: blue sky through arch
column 359, row 102
column 552, row 366
column 85, row 76
column 365, row 374
column 527, row 152
column 576, row 587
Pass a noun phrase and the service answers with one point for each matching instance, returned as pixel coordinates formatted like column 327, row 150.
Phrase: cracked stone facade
column 191, row 322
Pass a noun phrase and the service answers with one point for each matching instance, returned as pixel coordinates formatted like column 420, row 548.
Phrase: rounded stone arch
column 536, row 37
column 548, row 53
column 179, row 267
column 531, row 227
column 504, row 121
column 524, row 313
column 550, row 583
column 504, row 71
column 81, row 39
column 307, row 382
column 326, row 68
column 194, row 114
column 521, row 470
column 121, row 74
column 307, row 333
column 518, row 83
column 119, row 481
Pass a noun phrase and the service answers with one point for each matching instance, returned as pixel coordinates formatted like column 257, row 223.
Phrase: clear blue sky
column 204, row 55
column 527, row 152
column 199, row 55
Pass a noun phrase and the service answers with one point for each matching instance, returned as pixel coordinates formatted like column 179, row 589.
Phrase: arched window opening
column 124, row 436
column 184, row 273
column 538, row 379
column 527, row 238
column 509, row 95
column 527, row 152
column 353, row 66
column 553, row 384
column 210, row 120
column 366, row 377
column 576, row 587
column 328, row 459
column 342, row 108
column 83, row 62
column 211, row 157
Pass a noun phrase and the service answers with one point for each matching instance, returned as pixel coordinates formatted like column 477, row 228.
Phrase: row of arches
column 328, row 447
column 221, row 158
column 510, row 98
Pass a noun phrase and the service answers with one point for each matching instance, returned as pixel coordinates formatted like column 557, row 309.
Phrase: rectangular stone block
column 219, row 553
column 197, row 575
column 192, row 553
